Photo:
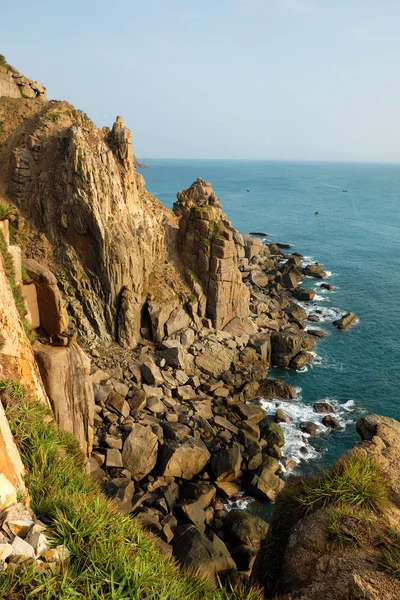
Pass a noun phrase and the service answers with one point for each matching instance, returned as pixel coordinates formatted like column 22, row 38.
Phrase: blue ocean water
column 356, row 236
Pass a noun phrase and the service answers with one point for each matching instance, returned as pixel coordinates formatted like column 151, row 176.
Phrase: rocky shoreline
column 178, row 429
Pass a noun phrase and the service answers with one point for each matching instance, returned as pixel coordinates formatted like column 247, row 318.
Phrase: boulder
column 304, row 294
column 253, row 413
column 239, row 326
column 66, row 376
column 261, row 342
column 195, row 513
column 346, row 321
column 197, row 554
column 323, row 407
column 331, row 422
column 272, row 432
column 184, row 459
column 128, row 319
column 226, row 463
column 139, row 454
column 159, row 313
column 121, row 491
column 275, row 388
column 259, row 278
column 267, row 485
column 314, row 270
column 282, row 417
column 309, row 427
column 174, row 354
column 301, row 359
column 214, row 358
column 52, row 312
column 152, row 373
column 286, row 344
column 291, row 278
column 242, row 528
column 179, row 319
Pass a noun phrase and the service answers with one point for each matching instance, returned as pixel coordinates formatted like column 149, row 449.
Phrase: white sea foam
column 297, row 443
column 328, row 273
column 238, row 502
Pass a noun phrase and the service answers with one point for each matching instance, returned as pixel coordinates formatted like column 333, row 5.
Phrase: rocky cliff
column 210, row 248
column 338, row 533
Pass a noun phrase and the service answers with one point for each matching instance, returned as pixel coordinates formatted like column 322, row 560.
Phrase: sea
column 356, row 237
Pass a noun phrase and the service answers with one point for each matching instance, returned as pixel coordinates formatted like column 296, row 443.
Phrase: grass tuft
column 352, row 486
column 112, row 558
column 5, row 211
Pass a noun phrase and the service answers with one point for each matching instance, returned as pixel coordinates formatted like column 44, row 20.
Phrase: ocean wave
column 238, row 502
column 298, row 445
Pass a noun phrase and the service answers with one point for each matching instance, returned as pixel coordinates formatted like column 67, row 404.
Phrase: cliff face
column 209, row 249
column 78, row 186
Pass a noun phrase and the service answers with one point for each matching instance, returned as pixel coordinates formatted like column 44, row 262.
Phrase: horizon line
column 292, row 160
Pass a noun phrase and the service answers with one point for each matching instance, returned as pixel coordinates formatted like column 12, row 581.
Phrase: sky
column 239, row 79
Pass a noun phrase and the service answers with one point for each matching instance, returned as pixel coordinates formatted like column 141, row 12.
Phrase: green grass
column 112, row 558
column 352, row 486
column 16, row 292
column 350, row 527
column 5, row 210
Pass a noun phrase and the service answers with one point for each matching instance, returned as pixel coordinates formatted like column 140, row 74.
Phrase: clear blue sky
column 267, row 79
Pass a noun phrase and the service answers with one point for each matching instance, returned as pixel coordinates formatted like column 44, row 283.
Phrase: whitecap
column 297, row 443
column 237, row 502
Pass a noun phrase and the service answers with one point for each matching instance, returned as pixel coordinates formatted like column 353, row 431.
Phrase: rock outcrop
column 109, row 242
column 15, row 85
column 66, row 376
column 208, row 250
column 343, row 551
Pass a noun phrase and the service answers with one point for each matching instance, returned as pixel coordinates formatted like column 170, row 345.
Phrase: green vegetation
column 355, row 488
column 350, row 526
column 4, row 63
column 17, row 294
column 215, row 227
column 112, row 558
column 390, row 553
column 5, row 212
column 192, row 298
column 53, row 116
column 2, row 342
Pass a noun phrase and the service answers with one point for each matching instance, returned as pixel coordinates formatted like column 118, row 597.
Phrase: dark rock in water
column 323, row 407
column 258, row 233
column 315, row 270
column 327, row 286
column 282, row 417
column 331, row 422
column 346, row 321
column 317, row 333
column 301, row 359
column 309, row 427
column 304, row 294
column 313, row 319
column 197, row 553
column 283, row 245
column 242, row 528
